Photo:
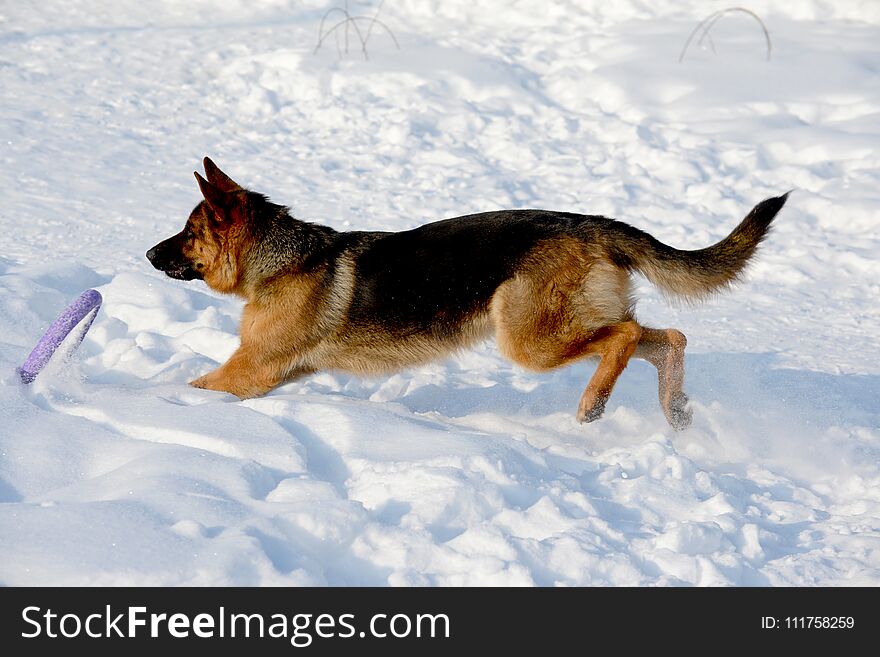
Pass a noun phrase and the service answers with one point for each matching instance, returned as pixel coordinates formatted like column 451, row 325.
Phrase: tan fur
column 279, row 326
column 372, row 351
column 217, row 255
column 614, row 345
column 547, row 314
column 665, row 350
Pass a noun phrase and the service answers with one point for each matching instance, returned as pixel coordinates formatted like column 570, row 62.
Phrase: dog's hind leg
column 664, row 349
column 614, row 344
column 571, row 303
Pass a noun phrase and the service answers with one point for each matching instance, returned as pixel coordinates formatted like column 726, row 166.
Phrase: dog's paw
column 679, row 415
column 592, row 413
column 219, row 384
column 201, row 382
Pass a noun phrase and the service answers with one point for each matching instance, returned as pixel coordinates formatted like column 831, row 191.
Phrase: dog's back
column 435, row 276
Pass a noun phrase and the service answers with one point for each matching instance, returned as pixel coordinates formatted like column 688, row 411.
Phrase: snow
column 467, row 471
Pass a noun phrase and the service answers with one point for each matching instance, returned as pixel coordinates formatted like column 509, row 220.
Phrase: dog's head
column 211, row 242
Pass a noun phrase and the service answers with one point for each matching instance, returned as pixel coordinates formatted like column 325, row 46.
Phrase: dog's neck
column 282, row 246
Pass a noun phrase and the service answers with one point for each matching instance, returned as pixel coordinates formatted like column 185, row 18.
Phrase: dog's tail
column 692, row 274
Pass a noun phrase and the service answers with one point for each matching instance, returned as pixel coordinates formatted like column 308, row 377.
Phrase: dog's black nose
column 151, row 255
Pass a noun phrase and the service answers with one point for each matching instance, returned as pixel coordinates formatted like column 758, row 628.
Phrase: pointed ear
column 219, row 179
column 218, row 200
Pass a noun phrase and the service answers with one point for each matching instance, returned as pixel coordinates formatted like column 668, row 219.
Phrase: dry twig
column 348, row 21
column 709, row 22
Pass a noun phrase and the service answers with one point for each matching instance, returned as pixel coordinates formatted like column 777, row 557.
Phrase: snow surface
column 469, row 471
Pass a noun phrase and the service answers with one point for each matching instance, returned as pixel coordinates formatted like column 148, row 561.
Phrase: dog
column 553, row 288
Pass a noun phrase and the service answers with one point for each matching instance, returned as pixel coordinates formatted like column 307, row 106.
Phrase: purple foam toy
column 87, row 303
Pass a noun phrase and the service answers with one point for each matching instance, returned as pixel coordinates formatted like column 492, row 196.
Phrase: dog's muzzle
column 165, row 258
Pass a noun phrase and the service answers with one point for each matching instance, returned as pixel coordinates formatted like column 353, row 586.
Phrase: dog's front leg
column 245, row 375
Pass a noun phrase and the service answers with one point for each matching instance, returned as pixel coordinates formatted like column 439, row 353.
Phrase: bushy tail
column 693, row 274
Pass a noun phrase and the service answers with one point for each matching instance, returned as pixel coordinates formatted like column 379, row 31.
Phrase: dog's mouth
column 177, row 268
column 183, row 273
column 166, row 257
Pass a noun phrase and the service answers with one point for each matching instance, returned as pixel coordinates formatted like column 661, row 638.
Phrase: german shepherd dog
column 553, row 287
